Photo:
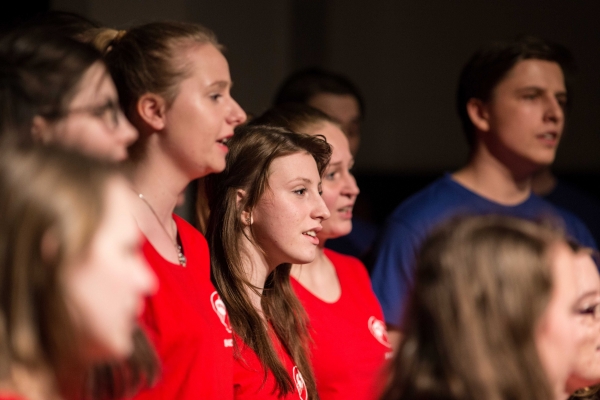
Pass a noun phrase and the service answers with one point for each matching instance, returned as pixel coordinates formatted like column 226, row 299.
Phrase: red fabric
column 248, row 374
column 350, row 342
column 193, row 342
column 8, row 396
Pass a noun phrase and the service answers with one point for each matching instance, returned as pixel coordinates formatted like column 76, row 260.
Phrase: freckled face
column 525, row 114
column 339, row 186
column 287, row 218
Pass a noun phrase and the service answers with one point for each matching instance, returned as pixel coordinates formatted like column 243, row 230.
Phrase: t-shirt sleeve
column 393, row 270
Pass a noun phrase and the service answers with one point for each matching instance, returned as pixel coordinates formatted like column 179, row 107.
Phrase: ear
column 479, row 115
column 40, row 130
column 152, row 109
column 245, row 216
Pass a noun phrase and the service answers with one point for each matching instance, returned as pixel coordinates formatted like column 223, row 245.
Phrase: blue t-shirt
column 411, row 222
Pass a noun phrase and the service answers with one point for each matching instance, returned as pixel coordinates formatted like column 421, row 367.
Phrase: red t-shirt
column 188, row 325
column 248, row 374
column 8, row 396
column 350, row 344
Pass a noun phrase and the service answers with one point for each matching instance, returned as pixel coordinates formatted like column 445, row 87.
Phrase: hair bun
column 106, row 38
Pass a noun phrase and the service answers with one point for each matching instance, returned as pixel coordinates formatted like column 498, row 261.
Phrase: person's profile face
column 587, row 362
column 524, row 118
column 556, row 339
column 203, row 115
column 106, row 286
column 343, row 108
column 287, row 218
column 339, row 186
column 93, row 122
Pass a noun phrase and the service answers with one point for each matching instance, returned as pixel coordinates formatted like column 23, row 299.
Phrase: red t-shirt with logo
column 248, row 374
column 350, row 344
column 188, row 325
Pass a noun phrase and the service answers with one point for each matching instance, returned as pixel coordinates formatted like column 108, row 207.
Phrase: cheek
column 330, row 197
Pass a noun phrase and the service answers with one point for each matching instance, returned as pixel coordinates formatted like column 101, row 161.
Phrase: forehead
column 586, row 273
column 534, row 73
column 335, row 137
column 95, row 85
column 293, row 166
column 203, row 62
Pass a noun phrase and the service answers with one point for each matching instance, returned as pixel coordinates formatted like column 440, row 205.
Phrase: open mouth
column 310, row 233
column 223, row 141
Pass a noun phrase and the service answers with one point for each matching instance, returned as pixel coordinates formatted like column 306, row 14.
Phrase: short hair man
column 511, row 100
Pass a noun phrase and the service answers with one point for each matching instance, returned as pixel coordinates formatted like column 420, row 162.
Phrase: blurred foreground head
column 491, row 315
column 55, row 90
column 72, row 276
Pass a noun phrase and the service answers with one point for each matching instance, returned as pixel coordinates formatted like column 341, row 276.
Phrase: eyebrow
column 221, row 84
column 305, row 180
column 593, row 292
column 539, row 89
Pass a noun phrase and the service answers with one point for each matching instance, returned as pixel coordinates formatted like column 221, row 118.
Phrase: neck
column 543, row 182
column 313, row 268
column 487, row 176
column 257, row 269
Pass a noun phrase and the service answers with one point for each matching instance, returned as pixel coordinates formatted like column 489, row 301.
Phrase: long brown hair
column 481, row 285
column 252, row 150
column 47, row 192
column 147, row 59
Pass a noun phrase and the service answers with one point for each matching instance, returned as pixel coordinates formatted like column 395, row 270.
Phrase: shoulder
column 349, row 267
column 573, row 225
column 430, row 204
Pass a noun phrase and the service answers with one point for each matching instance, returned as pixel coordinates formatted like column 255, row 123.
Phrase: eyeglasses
column 592, row 311
column 108, row 112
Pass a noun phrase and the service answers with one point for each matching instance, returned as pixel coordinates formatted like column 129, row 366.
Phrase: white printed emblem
column 300, row 385
column 378, row 330
column 220, row 310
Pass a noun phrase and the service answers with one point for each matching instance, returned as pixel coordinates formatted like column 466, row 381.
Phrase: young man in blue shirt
column 511, row 100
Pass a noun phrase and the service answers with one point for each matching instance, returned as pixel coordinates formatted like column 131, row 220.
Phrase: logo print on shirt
column 219, row 308
column 300, row 385
column 377, row 328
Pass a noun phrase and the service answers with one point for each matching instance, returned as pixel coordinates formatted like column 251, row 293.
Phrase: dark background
column 404, row 55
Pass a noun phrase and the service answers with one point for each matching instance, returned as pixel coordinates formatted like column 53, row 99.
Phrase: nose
column 350, row 188
column 554, row 111
column 237, row 115
column 320, row 210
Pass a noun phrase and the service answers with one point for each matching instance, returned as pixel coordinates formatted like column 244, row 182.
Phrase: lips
column 549, row 138
column 224, row 140
column 312, row 235
column 346, row 211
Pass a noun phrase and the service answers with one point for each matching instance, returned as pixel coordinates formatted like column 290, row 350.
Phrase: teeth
column 223, row 141
column 311, row 233
column 548, row 136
